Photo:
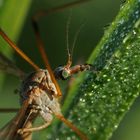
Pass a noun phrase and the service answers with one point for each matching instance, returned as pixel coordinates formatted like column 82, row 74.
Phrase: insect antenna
column 69, row 61
column 76, row 37
column 20, row 52
column 70, row 52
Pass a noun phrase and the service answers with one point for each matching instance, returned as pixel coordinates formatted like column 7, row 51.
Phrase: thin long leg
column 58, row 9
column 72, row 126
column 8, row 110
column 21, row 131
column 20, row 52
column 60, row 117
column 43, row 54
column 40, row 43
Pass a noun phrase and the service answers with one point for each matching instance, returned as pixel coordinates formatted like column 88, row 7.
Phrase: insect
column 39, row 93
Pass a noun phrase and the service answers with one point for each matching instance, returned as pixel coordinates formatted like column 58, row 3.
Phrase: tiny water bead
column 121, row 21
column 124, row 24
column 137, row 24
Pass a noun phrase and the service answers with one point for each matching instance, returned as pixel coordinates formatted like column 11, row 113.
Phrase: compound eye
column 58, row 72
column 65, row 74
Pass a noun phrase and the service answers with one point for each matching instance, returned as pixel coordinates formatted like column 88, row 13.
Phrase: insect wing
column 6, row 133
column 9, row 131
column 8, row 66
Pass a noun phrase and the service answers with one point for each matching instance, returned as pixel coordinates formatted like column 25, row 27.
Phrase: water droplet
column 104, row 75
column 122, row 110
column 107, row 47
column 121, row 21
column 104, row 96
column 117, row 54
column 137, row 24
column 110, row 94
column 87, row 111
column 134, row 32
column 79, row 119
column 138, row 85
column 122, row 4
column 108, row 79
column 95, row 86
column 90, row 94
column 115, row 126
column 68, row 138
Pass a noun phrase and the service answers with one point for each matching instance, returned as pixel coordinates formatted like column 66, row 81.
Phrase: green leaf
column 98, row 101
column 12, row 16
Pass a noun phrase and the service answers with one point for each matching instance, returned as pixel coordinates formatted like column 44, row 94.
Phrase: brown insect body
column 39, row 88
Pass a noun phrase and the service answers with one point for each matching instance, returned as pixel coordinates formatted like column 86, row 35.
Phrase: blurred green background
column 96, row 15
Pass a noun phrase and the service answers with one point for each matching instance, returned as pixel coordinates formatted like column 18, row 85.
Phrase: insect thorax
column 40, row 86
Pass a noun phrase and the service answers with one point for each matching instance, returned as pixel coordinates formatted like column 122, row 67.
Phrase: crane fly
column 39, row 92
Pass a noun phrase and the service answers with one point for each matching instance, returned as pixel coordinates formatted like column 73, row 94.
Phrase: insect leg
column 8, row 110
column 37, row 128
column 19, row 51
column 21, row 131
column 72, row 126
column 40, row 43
column 43, row 13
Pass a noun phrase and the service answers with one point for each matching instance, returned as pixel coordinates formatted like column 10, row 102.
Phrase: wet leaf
column 98, row 101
